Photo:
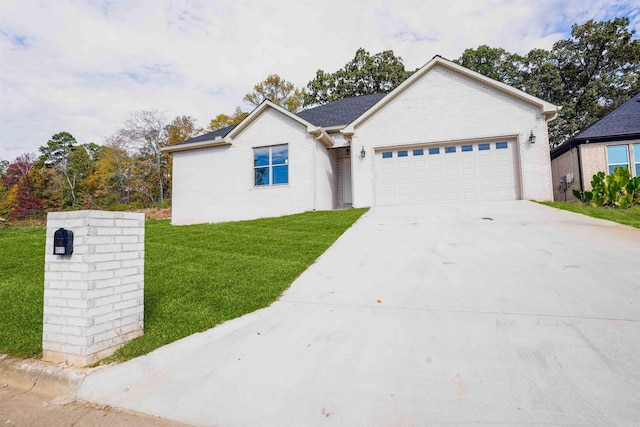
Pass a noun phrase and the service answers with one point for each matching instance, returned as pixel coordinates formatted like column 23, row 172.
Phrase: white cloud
column 84, row 65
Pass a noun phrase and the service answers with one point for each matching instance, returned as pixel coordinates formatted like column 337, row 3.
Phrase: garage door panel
column 436, row 174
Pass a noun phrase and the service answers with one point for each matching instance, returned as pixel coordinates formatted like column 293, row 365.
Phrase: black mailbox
column 63, row 242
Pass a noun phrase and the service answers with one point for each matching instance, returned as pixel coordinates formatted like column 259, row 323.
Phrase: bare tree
column 146, row 132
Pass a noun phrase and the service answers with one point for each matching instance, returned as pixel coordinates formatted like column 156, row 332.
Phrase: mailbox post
column 93, row 284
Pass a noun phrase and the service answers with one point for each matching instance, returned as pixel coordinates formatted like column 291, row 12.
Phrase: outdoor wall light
column 362, row 152
column 348, row 151
column 532, row 138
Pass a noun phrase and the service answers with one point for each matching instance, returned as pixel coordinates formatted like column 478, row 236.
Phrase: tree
column 222, row 120
column 495, row 63
column 599, row 67
column 146, row 132
column 181, row 129
column 25, row 204
column 277, row 90
column 363, row 75
column 108, row 185
column 58, row 154
column 588, row 75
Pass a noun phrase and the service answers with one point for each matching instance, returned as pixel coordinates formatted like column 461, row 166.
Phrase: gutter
column 218, row 142
column 321, row 135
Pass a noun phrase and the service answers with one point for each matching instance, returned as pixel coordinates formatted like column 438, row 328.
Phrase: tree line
column 588, row 75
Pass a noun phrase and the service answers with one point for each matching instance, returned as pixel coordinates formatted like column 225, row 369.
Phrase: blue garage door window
column 271, row 165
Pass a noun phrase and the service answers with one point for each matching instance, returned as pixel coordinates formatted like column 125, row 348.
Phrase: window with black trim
column 271, row 165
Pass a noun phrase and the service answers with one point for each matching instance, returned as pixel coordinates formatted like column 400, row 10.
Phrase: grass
column 196, row 276
column 21, row 290
column 629, row 216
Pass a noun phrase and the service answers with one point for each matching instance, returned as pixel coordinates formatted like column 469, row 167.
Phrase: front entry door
column 347, row 197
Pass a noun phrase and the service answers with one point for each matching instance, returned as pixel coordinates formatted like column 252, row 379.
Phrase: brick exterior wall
column 444, row 106
column 94, row 298
column 564, row 165
column 217, row 184
column 594, row 160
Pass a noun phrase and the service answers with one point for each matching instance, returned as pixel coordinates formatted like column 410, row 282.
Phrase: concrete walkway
column 483, row 314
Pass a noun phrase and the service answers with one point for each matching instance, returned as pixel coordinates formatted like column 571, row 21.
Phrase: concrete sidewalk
column 484, row 314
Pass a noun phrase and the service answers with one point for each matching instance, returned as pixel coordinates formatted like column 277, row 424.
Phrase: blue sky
column 83, row 66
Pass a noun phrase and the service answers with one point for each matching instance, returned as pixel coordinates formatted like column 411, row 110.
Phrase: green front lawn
column 196, row 276
column 630, row 216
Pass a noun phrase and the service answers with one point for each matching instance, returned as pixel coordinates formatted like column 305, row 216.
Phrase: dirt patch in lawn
column 156, row 213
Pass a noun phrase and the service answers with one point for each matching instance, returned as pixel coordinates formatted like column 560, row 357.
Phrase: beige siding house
column 446, row 134
column 613, row 141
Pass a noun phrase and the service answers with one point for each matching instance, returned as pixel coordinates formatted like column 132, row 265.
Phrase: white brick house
column 446, row 134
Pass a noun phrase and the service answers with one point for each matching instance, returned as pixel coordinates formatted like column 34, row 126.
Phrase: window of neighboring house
column 271, row 165
column 617, row 157
column 636, row 158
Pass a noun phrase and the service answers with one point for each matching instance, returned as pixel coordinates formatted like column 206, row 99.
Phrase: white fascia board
column 257, row 112
column 548, row 109
column 218, row 142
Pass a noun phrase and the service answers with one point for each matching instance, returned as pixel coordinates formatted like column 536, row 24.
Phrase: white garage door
column 479, row 171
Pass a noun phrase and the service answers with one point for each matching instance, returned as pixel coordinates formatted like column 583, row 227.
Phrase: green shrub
column 615, row 190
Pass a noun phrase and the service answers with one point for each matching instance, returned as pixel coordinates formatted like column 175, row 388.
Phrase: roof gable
column 225, row 135
column 550, row 110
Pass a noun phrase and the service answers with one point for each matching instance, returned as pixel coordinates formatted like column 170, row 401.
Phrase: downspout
column 580, row 168
column 315, row 178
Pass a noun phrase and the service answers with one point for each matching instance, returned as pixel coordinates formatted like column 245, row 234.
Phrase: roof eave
column 218, row 142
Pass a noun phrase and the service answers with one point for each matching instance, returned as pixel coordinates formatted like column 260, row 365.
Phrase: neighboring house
column 613, row 141
column 445, row 134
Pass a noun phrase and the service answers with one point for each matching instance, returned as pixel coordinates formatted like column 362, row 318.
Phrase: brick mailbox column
column 93, row 298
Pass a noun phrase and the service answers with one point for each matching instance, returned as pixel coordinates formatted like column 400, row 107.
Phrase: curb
column 42, row 377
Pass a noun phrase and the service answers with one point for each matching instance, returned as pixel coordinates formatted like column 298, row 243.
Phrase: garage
column 467, row 171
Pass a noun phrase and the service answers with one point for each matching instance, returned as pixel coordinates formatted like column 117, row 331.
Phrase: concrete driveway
column 483, row 314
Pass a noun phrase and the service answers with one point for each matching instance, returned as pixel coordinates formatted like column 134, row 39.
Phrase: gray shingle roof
column 623, row 124
column 624, row 120
column 211, row 135
column 336, row 113
column 340, row 112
